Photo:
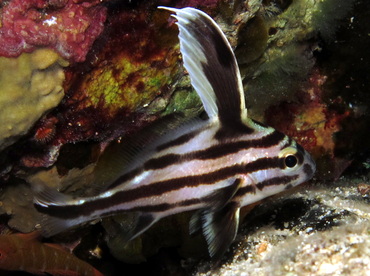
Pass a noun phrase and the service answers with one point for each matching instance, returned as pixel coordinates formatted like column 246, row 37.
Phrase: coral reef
column 30, row 86
column 69, row 27
column 124, row 83
column 301, row 76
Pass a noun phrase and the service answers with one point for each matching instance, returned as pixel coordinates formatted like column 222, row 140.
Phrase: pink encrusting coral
column 68, row 26
column 205, row 5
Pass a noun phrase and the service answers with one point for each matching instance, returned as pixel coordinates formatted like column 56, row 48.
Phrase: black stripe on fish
column 163, row 161
column 212, row 152
column 223, row 149
column 308, row 170
column 232, row 129
column 251, row 189
column 183, row 139
column 162, row 187
column 73, row 211
column 215, row 151
column 276, row 181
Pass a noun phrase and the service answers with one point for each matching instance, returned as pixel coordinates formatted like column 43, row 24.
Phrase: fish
column 24, row 252
column 212, row 166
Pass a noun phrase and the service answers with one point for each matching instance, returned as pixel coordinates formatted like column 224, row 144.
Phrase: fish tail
column 51, row 226
column 46, row 196
column 49, row 201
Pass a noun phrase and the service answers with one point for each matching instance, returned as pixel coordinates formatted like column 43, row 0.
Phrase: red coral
column 196, row 3
column 68, row 26
column 200, row 4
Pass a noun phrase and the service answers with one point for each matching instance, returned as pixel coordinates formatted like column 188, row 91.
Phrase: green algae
column 135, row 85
column 184, row 100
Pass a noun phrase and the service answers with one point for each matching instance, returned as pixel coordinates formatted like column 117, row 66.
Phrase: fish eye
column 290, row 161
column 291, row 157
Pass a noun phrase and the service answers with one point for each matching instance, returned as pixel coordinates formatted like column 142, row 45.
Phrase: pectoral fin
column 220, row 228
column 219, row 221
column 215, row 201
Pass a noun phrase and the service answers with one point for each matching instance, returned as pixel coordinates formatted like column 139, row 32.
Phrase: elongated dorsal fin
column 211, row 64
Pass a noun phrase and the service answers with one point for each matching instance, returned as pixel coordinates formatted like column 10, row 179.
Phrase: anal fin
column 141, row 224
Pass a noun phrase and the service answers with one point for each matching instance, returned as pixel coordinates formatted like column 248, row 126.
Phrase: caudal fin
column 51, row 203
column 45, row 196
column 51, row 226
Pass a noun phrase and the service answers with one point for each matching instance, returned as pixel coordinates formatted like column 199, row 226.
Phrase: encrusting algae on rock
column 139, row 61
column 68, row 27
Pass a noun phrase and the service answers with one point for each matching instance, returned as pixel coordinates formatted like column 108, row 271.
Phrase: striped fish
column 213, row 166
